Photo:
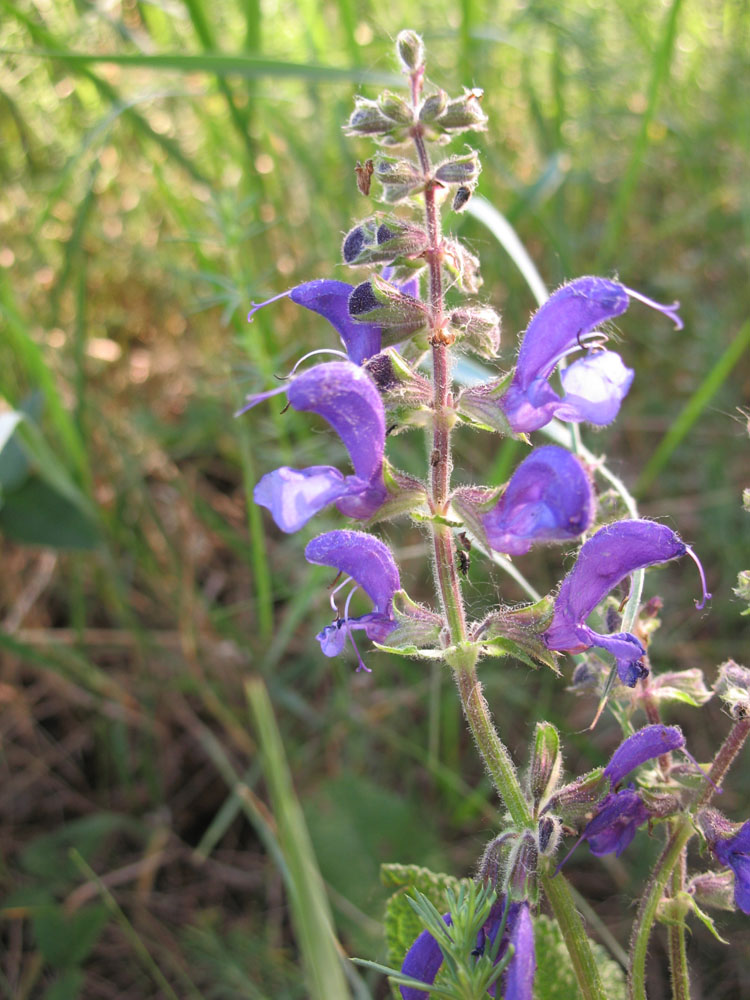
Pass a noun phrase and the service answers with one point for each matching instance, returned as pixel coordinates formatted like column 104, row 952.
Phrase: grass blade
column 694, row 407
column 660, row 72
column 221, row 64
column 309, row 905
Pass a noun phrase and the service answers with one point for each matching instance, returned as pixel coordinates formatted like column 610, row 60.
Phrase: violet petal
column 519, row 976
column 595, row 386
column 329, row 299
column 422, row 961
column 367, row 560
column 645, row 744
column 616, row 822
column 734, row 852
column 548, row 499
column 347, row 398
column 293, row 496
column 606, row 559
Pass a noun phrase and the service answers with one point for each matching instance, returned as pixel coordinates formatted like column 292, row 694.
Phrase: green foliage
column 555, row 979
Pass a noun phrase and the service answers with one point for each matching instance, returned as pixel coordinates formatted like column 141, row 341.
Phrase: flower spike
column 346, row 397
column 606, row 559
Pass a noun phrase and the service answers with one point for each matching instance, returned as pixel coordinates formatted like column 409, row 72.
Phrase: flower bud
column 715, row 889
column 367, row 119
column 396, row 108
column 495, row 856
column 404, row 392
column 463, row 113
column 686, row 686
column 459, row 169
column 433, row 106
column 410, row 49
column 378, row 301
column 546, row 763
column 714, row 825
column 548, row 835
column 575, row 802
column 382, row 240
column 520, row 882
column 399, row 178
column 733, row 687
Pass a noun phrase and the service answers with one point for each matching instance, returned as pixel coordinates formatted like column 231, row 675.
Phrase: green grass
column 165, row 165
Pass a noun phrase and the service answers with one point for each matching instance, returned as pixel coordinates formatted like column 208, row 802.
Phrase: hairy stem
column 678, row 965
column 672, row 855
column 682, row 831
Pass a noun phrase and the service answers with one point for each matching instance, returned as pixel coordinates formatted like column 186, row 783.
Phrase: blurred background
column 162, row 165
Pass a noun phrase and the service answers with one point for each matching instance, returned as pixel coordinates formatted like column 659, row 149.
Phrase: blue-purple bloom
column 734, row 852
column 370, row 564
column 424, row 958
column 645, row 744
column 330, row 299
column 347, row 398
column 595, row 385
column 606, row 559
column 548, row 499
column 618, row 817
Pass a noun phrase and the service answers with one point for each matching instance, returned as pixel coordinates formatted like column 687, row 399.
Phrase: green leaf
column 402, row 925
column 67, row 986
column 65, row 939
column 531, row 652
column 36, row 514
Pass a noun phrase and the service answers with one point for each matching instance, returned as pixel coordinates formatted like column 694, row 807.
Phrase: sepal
column 405, row 495
column 478, row 405
column 400, row 178
column 521, row 878
column 515, row 632
column 715, row 889
column 433, row 106
column 733, row 687
column 378, row 301
column 478, row 328
column 395, row 107
column 462, row 170
column 575, row 802
column 462, row 114
column 742, row 590
column 367, row 119
column 545, row 765
column 462, row 265
column 406, row 395
column 417, row 627
column 686, row 686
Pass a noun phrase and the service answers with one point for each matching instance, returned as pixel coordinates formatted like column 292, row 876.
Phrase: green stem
column 678, row 965
column 644, row 921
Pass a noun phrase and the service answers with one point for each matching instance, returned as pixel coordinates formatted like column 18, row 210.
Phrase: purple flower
column 617, row 819
column 370, row 564
column 606, row 559
column 424, row 958
column 346, row 397
column 645, row 744
column 548, row 499
column 330, row 299
column 734, row 852
column 594, row 386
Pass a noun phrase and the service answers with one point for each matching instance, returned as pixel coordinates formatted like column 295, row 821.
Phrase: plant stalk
column 463, row 657
column 678, row 964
